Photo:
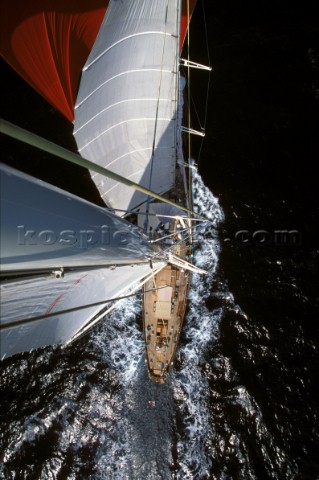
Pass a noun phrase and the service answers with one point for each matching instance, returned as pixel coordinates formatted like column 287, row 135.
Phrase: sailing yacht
column 65, row 262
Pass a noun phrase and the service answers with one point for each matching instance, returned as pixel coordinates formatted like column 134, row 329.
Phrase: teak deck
column 165, row 299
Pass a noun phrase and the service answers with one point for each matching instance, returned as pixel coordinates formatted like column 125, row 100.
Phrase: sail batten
column 133, row 94
column 115, row 77
column 143, row 119
column 128, row 100
column 88, row 65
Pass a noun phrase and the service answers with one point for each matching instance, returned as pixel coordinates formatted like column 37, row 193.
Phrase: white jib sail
column 125, row 114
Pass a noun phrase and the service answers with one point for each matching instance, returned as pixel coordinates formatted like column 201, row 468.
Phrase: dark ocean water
column 242, row 400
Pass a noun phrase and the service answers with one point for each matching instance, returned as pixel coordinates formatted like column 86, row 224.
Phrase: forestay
column 125, row 114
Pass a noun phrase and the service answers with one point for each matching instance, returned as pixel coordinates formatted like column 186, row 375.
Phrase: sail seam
column 131, row 152
column 168, row 100
column 163, row 189
column 151, row 32
column 139, row 70
column 123, row 123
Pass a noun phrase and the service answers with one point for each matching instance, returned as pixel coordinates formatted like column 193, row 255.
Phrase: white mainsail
column 24, row 299
column 125, row 114
column 44, row 227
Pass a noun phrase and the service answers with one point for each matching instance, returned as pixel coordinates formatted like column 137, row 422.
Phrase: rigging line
column 186, row 229
column 196, row 112
column 41, row 143
column 206, row 35
column 183, row 240
column 168, row 249
column 49, row 272
column 156, row 117
column 205, row 116
column 209, row 78
column 189, row 105
column 190, row 187
column 192, row 102
column 5, row 326
column 156, row 287
column 112, row 210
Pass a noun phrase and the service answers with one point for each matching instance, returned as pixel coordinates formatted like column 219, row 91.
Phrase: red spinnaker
column 48, row 41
